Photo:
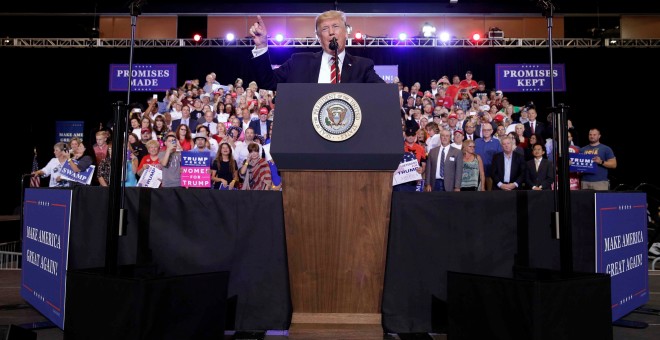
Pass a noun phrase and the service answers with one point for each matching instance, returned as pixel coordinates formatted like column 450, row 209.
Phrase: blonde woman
column 473, row 169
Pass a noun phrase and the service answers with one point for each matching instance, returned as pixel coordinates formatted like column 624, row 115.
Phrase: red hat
column 145, row 130
column 452, row 115
column 498, row 118
column 234, row 94
column 263, row 111
column 459, row 131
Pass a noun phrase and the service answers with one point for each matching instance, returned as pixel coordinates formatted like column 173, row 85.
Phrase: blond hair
column 329, row 15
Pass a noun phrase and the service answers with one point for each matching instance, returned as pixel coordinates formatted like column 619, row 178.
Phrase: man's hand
column 259, row 33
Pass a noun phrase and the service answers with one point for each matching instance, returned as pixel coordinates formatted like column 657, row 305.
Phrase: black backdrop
column 43, row 85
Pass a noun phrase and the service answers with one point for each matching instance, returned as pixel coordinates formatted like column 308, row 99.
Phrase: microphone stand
column 335, row 47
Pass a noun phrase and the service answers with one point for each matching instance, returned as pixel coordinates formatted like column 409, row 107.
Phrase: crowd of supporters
column 205, row 117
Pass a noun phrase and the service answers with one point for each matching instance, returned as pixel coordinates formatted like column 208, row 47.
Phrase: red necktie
column 335, row 77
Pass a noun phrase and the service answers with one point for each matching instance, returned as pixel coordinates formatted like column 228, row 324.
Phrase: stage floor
column 13, row 310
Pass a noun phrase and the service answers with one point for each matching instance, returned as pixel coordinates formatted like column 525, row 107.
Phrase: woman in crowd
column 81, row 159
column 146, row 123
column 54, row 166
column 224, row 171
column 160, row 128
column 521, row 140
column 184, row 137
column 222, row 133
column 473, row 169
column 255, row 171
column 135, row 125
column 151, row 159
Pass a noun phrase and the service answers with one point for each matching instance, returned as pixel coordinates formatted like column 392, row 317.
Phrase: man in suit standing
column 316, row 67
column 539, row 170
column 444, row 169
column 508, row 169
column 533, row 126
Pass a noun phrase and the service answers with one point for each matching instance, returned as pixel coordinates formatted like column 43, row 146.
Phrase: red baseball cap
column 263, row 111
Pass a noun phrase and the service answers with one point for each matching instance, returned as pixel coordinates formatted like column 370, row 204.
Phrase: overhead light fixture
column 453, row 1
column 428, row 30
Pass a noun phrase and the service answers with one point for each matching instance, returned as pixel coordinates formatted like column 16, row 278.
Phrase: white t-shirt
column 53, row 169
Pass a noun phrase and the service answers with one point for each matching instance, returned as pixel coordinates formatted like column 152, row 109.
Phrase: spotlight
column 279, row 37
column 444, row 37
column 230, row 37
column 476, row 37
column 197, row 37
column 403, row 36
column 428, row 30
column 358, row 36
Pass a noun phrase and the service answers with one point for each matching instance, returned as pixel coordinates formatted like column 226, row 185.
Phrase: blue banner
column 46, row 221
column 581, row 163
column 621, row 249
column 529, row 77
column 67, row 129
column 387, row 72
column 146, row 77
column 82, row 177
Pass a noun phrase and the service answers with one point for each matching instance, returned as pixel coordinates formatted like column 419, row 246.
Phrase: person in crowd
column 421, row 138
column 539, row 174
column 131, row 163
column 603, row 157
column 201, row 142
column 184, row 137
column 262, row 125
column 185, row 120
column 81, row 159
column 533, row 126
column 433, row 140
column 135, row 126
column 411, row 147
column 470, row 133
column 54, row 166
column 103, row 171
column 255, row 171
column 222, row 132
column 473, row 178
column 458, row 139
column 101, row 146
column 521, row 139
column 137, row 146
column 486, row 147
column 318, row 67
column 445, row 168
column 211, row 143
column 529, row 149
column 170, row 161
column 160, row 128
column 508, row 170
column 151, row 159
column 224, row 170
column 468, row 83
column 516, row 147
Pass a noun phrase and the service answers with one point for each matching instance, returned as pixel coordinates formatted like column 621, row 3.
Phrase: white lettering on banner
column 531, row 82
column 144, row 73
column 406, row 172
column 625, row 240
column 624, row 265
column 43, row 236
column 529, row 73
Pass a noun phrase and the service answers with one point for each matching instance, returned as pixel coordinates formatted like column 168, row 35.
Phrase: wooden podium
column 337, row 201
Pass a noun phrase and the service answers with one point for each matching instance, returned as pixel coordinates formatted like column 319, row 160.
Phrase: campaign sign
column 145, row 78
column 83, row 177
column 195, row 169
column 529, row 77
column 407, row 170
column 387, row 72
column 152, row 177
column 46, row 221
column 581, row 163
column 67, row 129
column 621, row 249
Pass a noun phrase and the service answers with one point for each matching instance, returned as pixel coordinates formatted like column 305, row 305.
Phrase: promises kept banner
column 529, row 77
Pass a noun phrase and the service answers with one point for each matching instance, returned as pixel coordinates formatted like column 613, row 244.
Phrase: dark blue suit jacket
column 517, row 169
column 304, row 68
column 256, row 126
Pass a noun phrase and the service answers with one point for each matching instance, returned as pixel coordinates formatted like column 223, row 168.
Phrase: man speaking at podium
column 319, row 67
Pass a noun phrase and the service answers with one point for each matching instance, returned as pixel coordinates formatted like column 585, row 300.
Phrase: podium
column 337, row 195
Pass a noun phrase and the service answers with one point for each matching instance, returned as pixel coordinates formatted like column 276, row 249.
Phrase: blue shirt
column 487, row 150
column 605, row 153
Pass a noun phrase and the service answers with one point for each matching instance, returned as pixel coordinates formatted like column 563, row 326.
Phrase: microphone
column 333, row 44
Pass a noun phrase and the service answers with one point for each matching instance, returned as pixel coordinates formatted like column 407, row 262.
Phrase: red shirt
column 146, row 160
column 418, row 150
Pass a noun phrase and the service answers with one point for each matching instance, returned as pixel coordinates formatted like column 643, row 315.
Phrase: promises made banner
column 529, row 77
column 146, row 77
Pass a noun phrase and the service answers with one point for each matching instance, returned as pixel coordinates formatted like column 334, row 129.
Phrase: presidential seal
column 336, row 116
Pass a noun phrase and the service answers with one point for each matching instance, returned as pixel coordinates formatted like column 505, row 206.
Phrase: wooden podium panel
column 336, row 230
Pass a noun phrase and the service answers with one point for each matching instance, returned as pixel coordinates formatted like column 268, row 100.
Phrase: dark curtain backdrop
column 43, row 85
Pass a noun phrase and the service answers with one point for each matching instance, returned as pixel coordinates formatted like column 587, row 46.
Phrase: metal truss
column 369, row 42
